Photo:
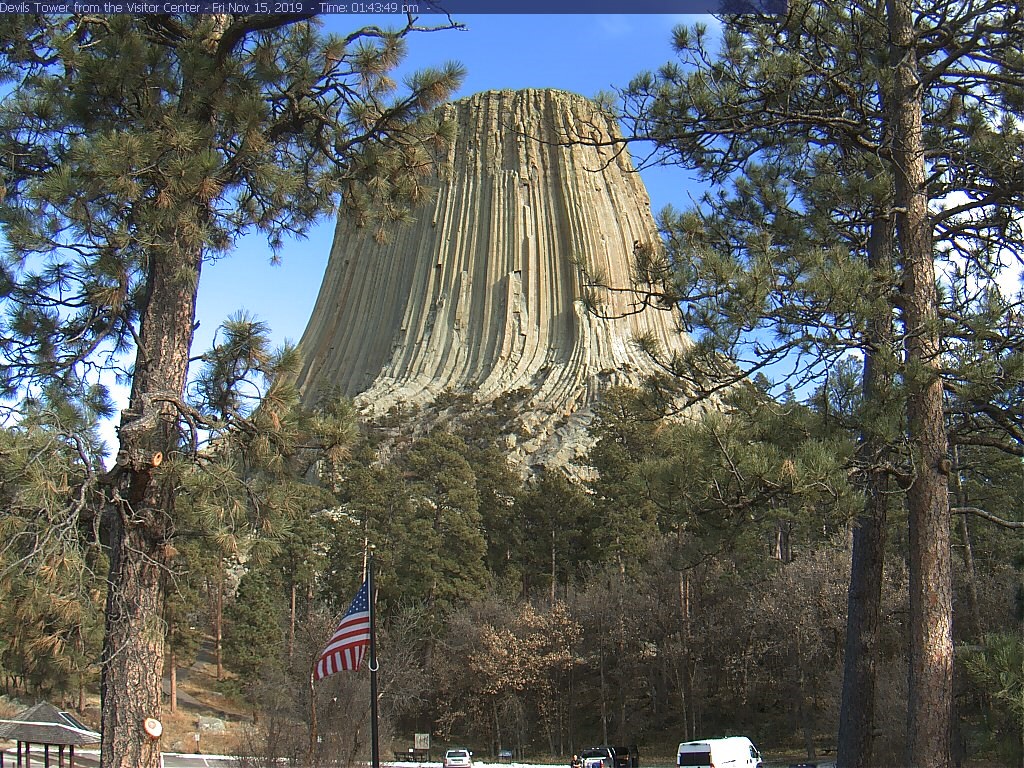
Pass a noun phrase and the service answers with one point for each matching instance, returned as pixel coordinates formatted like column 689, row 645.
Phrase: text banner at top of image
column 358, row 7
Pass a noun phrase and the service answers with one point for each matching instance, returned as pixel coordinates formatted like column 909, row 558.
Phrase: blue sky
column 581, row 53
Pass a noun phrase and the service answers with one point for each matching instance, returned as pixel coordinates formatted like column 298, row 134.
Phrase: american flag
column 350, row 640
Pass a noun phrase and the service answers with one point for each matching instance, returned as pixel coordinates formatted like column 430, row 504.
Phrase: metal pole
column 374, row 745
column 313, row 736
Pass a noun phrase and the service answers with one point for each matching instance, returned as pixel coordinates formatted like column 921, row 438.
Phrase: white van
column 730, row 752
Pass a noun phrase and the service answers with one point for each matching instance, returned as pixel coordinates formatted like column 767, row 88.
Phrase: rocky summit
column 481, row 296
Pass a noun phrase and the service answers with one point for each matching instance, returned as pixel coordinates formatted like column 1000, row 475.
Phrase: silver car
column 457, row 758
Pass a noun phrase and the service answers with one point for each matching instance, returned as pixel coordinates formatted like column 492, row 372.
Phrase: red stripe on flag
column 348, row 644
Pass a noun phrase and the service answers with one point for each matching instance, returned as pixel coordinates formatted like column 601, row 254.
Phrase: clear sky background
column 581, row 53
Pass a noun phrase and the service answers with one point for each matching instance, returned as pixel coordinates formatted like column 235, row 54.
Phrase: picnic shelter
column 48, row 727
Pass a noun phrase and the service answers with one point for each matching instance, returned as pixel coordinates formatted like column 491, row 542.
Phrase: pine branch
column 1011, row 524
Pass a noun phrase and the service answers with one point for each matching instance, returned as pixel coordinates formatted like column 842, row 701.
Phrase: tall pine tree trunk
column 972, row 620
column 172, row 673
column 857, row 707
column 931, row 605
column 140, row 515
column 218, row 623
column 291, row 620
column 603, row 680
column 554, row 562
column 686, row 678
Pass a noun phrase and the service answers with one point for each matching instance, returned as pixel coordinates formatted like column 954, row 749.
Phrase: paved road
column 90, row 759
column 175, row 760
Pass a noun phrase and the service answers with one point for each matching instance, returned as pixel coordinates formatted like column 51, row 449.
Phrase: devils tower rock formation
column 481, row 295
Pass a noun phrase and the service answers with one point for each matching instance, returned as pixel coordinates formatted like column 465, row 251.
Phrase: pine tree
column 185, row 617
column 997, row 667
column 132, row 149
column 833, row 136
column 51, row 560
column 254, row 636
column 559, row 535
column 446, row 522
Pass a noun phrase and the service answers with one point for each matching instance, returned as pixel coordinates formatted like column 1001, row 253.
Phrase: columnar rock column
column 481, row 295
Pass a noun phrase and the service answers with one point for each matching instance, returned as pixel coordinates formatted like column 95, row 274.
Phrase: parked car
column 606, row 756
column 457, row 758
column 627, row 756
column 598, row 757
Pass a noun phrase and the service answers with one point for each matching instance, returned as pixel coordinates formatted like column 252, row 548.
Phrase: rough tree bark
column 140, row 516
column 857, row 707
column 929, row 720
column 172, row 674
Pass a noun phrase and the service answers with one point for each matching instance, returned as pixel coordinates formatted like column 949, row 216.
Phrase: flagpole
column 374, row 749
column 355, row 633
column 312, row 716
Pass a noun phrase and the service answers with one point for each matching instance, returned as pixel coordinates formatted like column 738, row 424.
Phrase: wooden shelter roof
column 45, row 724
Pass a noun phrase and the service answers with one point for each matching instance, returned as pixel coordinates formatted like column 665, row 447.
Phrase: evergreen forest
column 829, row 560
